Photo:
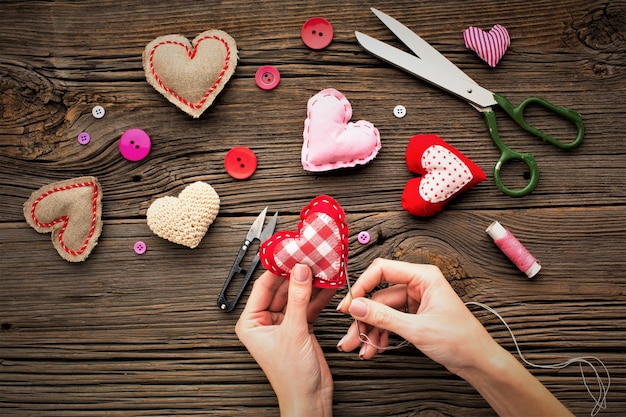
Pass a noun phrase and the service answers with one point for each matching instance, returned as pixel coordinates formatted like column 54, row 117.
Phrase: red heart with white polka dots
column 444, row 173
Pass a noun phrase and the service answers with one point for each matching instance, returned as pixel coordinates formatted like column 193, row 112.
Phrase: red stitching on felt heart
column 192, row 54
column 284, row 249
column 65, row 219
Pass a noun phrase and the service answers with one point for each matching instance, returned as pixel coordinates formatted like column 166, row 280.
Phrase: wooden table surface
column 124, row 334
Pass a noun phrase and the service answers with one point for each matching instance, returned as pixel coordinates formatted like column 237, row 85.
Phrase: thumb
column 300, row 288
column 382, row 316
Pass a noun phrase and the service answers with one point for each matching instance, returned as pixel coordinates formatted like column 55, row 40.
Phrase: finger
column 300, row 288
column 395, row 272
column 319, row 301
column 352, row 339
column 384, row 317
column 279, row 302
column 395, row 296
column 263, row 292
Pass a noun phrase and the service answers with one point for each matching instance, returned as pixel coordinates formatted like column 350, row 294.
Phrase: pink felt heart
column 490, row 46
column 331, row 141
column 190, row 74
column 445, row 172
column 321, row 242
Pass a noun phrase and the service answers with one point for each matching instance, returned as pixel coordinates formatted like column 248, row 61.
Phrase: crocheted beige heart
column 190, row 75
column 185, row 219
column 71, row 210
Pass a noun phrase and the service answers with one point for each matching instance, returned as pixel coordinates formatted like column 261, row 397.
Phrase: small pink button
column 317, row 33
column 135, row 144
column 267, row 77
column 363, row 238
column 140, row 248
column 84, row 138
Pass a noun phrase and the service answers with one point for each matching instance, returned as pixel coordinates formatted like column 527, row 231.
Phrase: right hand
column 436, row 321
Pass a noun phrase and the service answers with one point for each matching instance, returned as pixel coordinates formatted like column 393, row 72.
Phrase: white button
column 98, row 112
column 399, row 111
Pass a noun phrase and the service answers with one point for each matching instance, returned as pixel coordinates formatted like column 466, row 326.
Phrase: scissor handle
column 517, row 114
column 508, row 154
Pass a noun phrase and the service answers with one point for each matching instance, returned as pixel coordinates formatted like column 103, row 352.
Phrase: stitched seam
column 65, row 219
column 191, row 54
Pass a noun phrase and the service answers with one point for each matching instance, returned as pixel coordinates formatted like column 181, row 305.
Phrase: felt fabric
column 184, row 219
column 321, row 242
column 331, row 141
column 72, row 211
column 190, row 75
column 444, row 173
column 489, row 46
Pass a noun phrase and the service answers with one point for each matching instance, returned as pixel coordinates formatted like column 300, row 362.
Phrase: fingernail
column 358, row 308
column 339, row 348
column 341, row 303
column 362, row 353
column 299, row 273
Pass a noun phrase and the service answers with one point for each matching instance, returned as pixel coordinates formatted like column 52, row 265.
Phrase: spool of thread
column 513, row 249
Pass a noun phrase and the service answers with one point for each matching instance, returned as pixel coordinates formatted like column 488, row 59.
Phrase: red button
column 240, row 162
column 135, row 144
column 317, row 33
column 267, row 77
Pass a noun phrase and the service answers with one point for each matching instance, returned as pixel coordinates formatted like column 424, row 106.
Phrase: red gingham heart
column 489, row 46
column 320, row 242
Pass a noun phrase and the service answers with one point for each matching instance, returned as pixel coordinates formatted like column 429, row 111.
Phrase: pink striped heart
column 490, row 46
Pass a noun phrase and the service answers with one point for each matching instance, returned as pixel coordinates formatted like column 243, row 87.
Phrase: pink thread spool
column 513, row 249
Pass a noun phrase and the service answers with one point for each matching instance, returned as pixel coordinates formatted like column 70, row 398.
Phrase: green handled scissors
column 429, row 65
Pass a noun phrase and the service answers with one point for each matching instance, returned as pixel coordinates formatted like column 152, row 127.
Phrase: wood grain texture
column 128, row 335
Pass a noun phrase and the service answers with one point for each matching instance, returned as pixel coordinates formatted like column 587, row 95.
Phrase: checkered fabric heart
column 320, row 242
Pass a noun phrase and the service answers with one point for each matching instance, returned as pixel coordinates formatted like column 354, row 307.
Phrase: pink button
column 84, row 138
column 267, row 77
column 363, row 238
column 317, row 33
column 135, row 144
column 240, row 162
column 140, row 248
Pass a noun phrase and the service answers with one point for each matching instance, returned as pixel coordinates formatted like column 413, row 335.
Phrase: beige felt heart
column 185, row 219
column 71, row 210
column 190, row 75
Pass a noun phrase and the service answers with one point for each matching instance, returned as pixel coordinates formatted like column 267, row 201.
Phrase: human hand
column 276, row 328
column 436, row 321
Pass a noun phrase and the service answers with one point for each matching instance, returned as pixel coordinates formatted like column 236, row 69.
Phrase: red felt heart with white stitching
column 444, row 173
column 321, row 242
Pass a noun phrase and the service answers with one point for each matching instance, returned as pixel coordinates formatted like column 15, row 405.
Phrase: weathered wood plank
column 122, row 334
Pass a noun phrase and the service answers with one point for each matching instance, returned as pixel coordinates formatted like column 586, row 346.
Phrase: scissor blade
column 432, row 73
column 268, row 231
column 257, row 226
column 419, row 46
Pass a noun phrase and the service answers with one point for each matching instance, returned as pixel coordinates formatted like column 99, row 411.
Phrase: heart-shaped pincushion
column 72, row 211
column 184, row 219
column 190, row 75
column 331, row 141
column 489, row 46
column 444, row 173
column 321, row 242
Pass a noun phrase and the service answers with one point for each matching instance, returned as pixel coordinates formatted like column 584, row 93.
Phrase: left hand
column 276, row 327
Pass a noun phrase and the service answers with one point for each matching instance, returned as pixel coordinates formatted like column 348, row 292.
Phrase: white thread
column 600, row 401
